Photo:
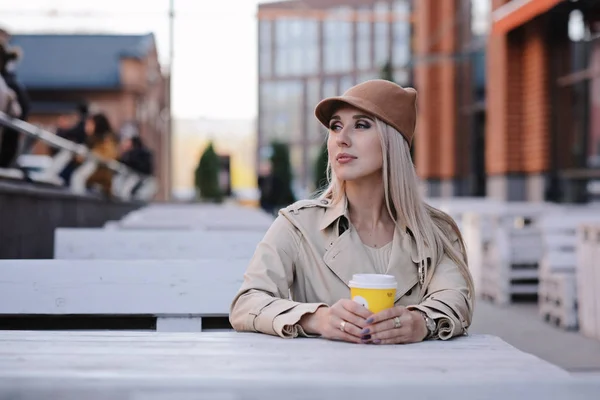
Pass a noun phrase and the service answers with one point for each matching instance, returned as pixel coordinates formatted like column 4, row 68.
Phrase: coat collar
column 346, row 255
column 340, row 209
column 334, row 212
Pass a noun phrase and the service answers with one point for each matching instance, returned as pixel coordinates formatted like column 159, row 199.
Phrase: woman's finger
column 350, row 332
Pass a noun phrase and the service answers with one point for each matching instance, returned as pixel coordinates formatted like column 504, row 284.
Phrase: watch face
column 430, row 324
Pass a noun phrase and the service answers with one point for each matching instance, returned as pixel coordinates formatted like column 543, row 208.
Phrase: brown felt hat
column 385, row 100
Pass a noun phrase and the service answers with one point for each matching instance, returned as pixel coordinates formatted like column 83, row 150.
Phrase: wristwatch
column 430, row 324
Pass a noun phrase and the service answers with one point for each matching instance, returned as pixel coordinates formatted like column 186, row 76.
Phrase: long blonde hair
column 430, row 227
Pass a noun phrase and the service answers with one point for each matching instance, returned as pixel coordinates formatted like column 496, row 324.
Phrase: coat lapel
column 347, row 256
column 404, row 262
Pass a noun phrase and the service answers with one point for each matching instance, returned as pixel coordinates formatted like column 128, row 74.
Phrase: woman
column 371, row 219
column 102, row 142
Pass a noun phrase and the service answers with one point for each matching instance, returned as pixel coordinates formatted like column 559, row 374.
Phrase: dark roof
column 63, row 61
column 53, row 107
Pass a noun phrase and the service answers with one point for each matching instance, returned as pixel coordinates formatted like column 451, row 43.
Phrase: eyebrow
column 359, row 116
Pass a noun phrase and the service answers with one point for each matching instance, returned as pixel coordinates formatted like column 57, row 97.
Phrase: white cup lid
column 373, row 281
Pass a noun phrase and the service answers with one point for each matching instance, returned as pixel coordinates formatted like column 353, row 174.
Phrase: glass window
column 346, row 82
column 330, row 88
column 401, row 33
column 363, row 38
column 308, row 45
column 382, row 33
column 297, row 47
column 337, row 36
column 264, row 34
column 401, row 76
column 368, row 75
column 480, row 17
column 283, row 112
column 281, row 47
column 265, row 48
column 313, row 92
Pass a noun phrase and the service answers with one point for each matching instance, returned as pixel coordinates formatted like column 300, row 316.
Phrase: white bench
column 557, row 295
column 510, row 259
column 178, row 293
column 197, row 216
column 83, row 243
column 588, row 279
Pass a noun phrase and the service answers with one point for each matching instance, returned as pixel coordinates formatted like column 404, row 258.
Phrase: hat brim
column 327, row 107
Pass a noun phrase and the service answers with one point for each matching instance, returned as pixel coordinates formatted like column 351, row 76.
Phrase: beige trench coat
column 306, row 260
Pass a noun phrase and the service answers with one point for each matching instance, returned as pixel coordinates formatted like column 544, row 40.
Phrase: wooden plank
column 81, row 243
column 205, row 216
column 113, row 287
column 236, row 365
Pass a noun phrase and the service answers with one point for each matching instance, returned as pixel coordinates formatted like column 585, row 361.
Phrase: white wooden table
column 139, row 365
column 197, row 216
column 179, row 293
column 94, row 243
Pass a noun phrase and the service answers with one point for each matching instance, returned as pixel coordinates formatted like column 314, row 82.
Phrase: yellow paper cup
column 374, row 291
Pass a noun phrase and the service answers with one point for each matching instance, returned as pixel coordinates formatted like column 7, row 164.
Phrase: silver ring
column 342, row 326
column 397, row 322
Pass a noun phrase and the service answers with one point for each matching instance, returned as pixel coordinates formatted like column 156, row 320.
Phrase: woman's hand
column 395, row 325
column 345, row 320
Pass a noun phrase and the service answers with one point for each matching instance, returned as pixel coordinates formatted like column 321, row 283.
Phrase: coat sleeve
column 447, row 299
column 263, row 302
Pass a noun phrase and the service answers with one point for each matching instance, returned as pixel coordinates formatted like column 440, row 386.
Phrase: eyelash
column 365, row 125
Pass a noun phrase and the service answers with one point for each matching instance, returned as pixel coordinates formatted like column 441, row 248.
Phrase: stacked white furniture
column 557, row 297
column 588, row 279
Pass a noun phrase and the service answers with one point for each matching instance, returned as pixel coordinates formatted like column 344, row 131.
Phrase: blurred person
column 75, row 133
column 370, row 219
column 10, row 137
column 73, row 124
column 101, row 141
column 137, row 157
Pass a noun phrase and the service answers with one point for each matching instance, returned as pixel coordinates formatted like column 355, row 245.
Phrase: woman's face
column 353, row 144
column 89, row 126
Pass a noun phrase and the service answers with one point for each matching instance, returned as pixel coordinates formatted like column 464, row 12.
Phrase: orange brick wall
column 536, row 99
column 518, row 100
column 435, row 80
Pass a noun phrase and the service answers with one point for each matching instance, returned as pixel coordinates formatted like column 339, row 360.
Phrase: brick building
column 312, row 49
column 449, row 71
column 116, row 74
column 508, row 111
column 543, row 87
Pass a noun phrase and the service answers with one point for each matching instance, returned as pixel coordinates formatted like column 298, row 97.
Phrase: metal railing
column 124, row 181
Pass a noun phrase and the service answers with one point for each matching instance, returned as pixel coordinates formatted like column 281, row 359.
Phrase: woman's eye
column 363, row 125
column 334, row 127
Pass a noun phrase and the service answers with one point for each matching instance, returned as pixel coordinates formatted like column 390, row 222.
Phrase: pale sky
column 214, row 71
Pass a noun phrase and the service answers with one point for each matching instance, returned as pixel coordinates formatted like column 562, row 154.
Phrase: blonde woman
column 371, row 219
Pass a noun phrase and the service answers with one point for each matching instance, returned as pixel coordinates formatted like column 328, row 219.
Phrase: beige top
column 380, row 256
column 307, row 258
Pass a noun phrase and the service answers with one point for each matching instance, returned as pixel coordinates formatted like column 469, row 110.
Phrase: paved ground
column 521, row 326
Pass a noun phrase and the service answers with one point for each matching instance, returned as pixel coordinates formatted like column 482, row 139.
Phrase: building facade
column 449, row 69
column 118, row 75
column 312, row 49
column 543, row 132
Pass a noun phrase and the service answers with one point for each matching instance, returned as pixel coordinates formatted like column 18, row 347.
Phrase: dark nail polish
column 365, row 331
column 370, row 321
column 366, row 337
